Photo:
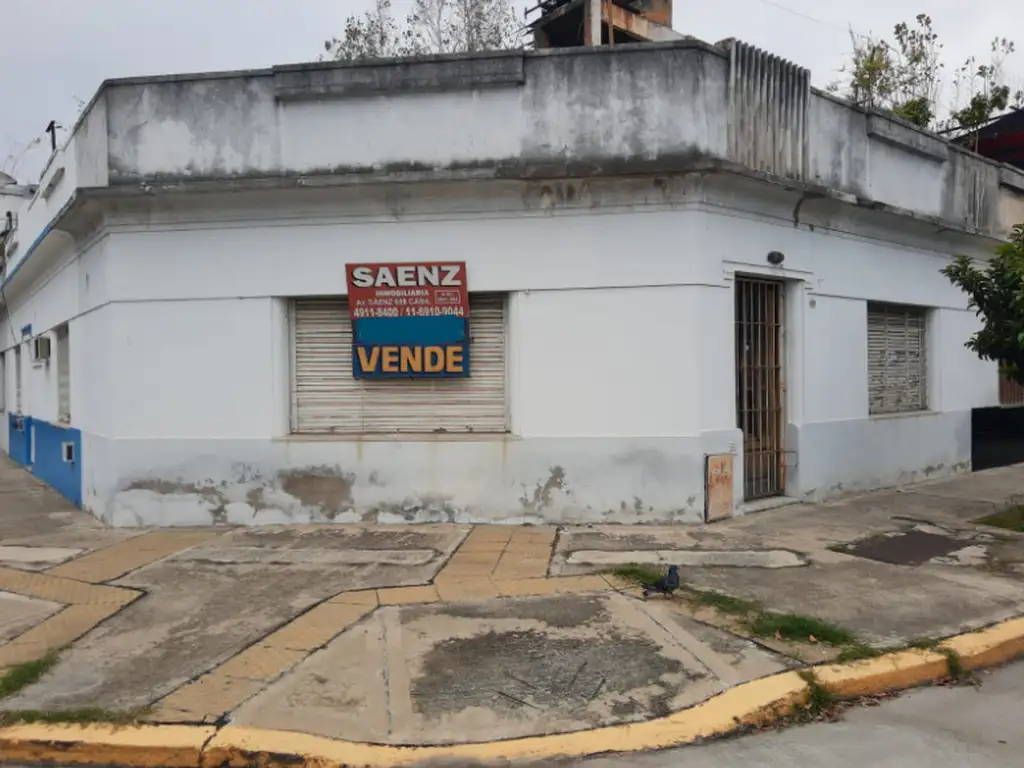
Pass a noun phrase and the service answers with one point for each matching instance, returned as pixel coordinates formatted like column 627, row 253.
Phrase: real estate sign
column 409, row 320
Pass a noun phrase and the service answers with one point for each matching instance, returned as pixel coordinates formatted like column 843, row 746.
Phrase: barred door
column 759, row 397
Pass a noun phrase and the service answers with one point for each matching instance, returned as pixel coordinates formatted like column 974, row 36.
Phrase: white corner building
column 695, row 284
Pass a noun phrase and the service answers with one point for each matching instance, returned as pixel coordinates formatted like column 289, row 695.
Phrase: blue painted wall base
column 40, row 446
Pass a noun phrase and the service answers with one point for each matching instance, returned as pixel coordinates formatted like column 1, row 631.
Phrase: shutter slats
column 327, row 399
column 897, row 364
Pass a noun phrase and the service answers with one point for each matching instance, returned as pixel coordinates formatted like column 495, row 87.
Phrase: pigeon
column 666, row 585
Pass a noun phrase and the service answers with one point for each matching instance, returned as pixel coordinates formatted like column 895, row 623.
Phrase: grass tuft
column 857, row 652
column 75, row 716
column 800, row 628
column 641, row 575
column 955, row 664
column 723, row 603
column 23, row 675
column 924, row 643
column 819, row 698
column 1011, row 518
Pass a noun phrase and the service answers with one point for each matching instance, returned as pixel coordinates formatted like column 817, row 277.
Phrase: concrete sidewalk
column 449, row 634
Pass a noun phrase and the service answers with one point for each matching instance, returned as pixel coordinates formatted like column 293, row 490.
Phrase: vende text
column 410, row 360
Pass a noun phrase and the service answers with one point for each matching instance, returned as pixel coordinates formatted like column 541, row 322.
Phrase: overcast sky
column 55, row 53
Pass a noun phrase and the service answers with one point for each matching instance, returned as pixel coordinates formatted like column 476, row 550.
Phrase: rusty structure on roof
column 568, row 23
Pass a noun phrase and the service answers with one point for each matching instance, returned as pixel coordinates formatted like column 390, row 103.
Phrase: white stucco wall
column 621, row 366
column 68, row 291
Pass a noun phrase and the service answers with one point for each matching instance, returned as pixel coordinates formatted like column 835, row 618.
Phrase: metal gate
column 1010, row 392
column 759, row 386
column 327, row 399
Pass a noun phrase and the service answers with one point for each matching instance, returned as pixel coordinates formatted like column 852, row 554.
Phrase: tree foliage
column 433, row 26
column 905, row 76
column 996, row 293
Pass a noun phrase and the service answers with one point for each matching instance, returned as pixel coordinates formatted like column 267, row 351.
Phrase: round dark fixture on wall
column 776, row 257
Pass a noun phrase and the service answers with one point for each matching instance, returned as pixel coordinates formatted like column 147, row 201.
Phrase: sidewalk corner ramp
column 754, row 703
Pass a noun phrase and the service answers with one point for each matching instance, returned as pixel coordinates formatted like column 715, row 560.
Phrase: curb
column 753, row 703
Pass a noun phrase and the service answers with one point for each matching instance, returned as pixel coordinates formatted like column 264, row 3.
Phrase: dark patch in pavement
column 909, row 547
column 560, row 612
column 528, row 669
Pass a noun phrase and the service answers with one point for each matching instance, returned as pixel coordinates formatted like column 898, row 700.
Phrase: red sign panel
column 414, row 289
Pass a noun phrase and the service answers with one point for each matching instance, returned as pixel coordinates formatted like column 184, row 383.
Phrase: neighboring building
column 677, row 254
column 1002, row 139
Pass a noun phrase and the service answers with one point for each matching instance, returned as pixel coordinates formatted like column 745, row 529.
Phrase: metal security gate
column 327, row 399
column 759, row 395
column 897, row 359
column 1010, row 392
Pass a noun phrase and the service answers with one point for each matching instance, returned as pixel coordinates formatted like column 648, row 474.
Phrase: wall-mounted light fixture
column 776, row 257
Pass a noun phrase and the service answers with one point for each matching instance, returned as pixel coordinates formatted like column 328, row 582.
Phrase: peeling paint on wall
column 543, row 493
column 326, row 488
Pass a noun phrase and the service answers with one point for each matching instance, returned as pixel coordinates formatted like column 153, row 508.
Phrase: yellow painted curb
column 752, row 703
column 147, row 746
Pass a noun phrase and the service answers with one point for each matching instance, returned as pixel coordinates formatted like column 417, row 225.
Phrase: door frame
column 773, row 414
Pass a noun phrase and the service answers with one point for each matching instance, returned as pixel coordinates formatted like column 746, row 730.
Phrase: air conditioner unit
column 41, row 348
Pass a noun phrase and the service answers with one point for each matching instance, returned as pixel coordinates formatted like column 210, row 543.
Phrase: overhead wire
column 782, row 7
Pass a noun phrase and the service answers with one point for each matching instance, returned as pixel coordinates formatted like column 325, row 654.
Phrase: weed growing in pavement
column 723, row 603
column 1011, row 518
column 20, row 676
column 759, row 622
column 790, row 626
column 23, row 675
column 858, row 652
column 955, row 665
column 76, row 716
column 819, row 698
column 641, row 575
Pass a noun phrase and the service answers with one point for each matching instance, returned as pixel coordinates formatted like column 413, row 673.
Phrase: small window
column 897, row 359
column 63, row 375
column 17, row 378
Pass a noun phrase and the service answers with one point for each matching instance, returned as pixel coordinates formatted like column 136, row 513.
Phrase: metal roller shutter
column 327, row 399
column 897, row 359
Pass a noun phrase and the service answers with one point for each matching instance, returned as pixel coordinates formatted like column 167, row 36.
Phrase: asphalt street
column 942, row 727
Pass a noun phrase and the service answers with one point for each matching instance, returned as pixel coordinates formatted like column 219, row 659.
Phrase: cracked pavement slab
column 445, row 673
column 19, row 613
column 884, row 604
column 263, row 624
column 197, row 614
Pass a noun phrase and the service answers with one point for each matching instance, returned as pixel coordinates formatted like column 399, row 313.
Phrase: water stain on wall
column 328, row 488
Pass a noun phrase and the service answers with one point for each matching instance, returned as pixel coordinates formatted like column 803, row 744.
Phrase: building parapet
column 652, row 108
